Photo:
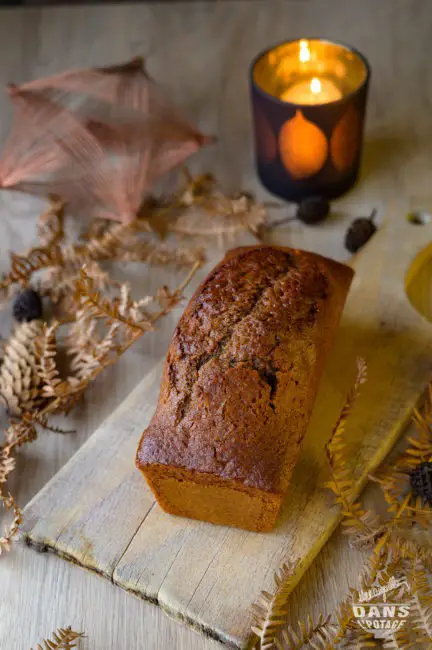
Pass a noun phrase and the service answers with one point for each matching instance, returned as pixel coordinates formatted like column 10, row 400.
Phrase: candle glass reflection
column 309, row 100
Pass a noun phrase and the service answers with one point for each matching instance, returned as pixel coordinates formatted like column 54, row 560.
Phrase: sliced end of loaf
column 202, row 496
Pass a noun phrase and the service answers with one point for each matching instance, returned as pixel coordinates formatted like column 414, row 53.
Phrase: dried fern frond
column 394, row 479
column 343, row 617
column 393, row 484
column 417, row 513
column 59, row 282
column 160, row 254
column 357, row 639
column 269, row 612
column 102, row 330
column 20, row 433
column 47, row 254
column 51, row 223
column 362, row 525
column 307, row 635
column 167, row 300
column 206, row 211
column 399, row 640
column 226, row 217
column 62, row 639
column 108, row 244
column 17, row 434
column 347, row 635
column 194, row 188
column 336, row 445
column 9, row 504
column 377, row 569
column 7, row 464
column 22, row 267
column 131, row 242
column 421, row 605
column 420, row 446
column 396, row 489
column 419, row 449
column 64, row 262
column 200, row 209
column 402, row 548
column 46, row 345
column 61, row 394
column 124, row 312
column 61, row 262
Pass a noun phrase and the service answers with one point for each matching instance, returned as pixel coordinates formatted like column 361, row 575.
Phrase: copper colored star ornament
column 99, row 138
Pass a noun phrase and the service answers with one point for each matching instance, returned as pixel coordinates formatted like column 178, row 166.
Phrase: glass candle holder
column 309, row 102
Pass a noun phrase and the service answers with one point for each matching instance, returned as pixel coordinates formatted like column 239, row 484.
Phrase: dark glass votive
column 309, row 101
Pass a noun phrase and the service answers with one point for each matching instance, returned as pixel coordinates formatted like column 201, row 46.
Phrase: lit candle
column 313, row 91
column 309, row 99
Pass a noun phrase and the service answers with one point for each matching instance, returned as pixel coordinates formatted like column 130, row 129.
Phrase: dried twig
column 362, row 525
column 11, row 530
column 270, row 611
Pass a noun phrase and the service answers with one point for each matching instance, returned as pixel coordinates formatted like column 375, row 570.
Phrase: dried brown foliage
column 11, row 530
column 61, row 261
column 315, row 635
column 62, row 639
column 394, row 551
column 198, row 210
column 31, row 382
column 270, row 610
column 201, row 209
column 361, row 525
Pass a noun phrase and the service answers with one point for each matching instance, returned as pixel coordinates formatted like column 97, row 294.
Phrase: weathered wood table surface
column 201, row 51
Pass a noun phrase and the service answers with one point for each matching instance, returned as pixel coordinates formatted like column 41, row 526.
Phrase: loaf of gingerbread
column 239, row 384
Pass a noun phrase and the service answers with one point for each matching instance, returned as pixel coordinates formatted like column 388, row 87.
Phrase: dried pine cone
column 27, row 306
column 359, row 232
column 19, row 380
column 421, row 482
column 313, row 209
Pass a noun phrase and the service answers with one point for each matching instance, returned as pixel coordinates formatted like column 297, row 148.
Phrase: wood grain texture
column 217, row 40
column 200, row 573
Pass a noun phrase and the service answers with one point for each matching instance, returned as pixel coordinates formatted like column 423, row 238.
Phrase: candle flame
column 304, row 54
column 315, row 85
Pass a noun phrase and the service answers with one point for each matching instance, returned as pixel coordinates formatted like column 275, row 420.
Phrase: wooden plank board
column 98, row 512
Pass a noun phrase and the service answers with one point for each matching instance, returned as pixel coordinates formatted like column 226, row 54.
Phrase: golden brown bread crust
column 243, row 368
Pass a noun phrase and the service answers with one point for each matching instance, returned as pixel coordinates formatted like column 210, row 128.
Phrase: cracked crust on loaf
column 239, row 384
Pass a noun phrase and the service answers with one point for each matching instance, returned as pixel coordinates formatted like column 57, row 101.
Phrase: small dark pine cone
column 27, row 306
column 421, row 481
column 359, row 232
column 313, row 209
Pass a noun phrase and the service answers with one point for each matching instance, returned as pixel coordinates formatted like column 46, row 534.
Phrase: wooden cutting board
column 98, row 512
